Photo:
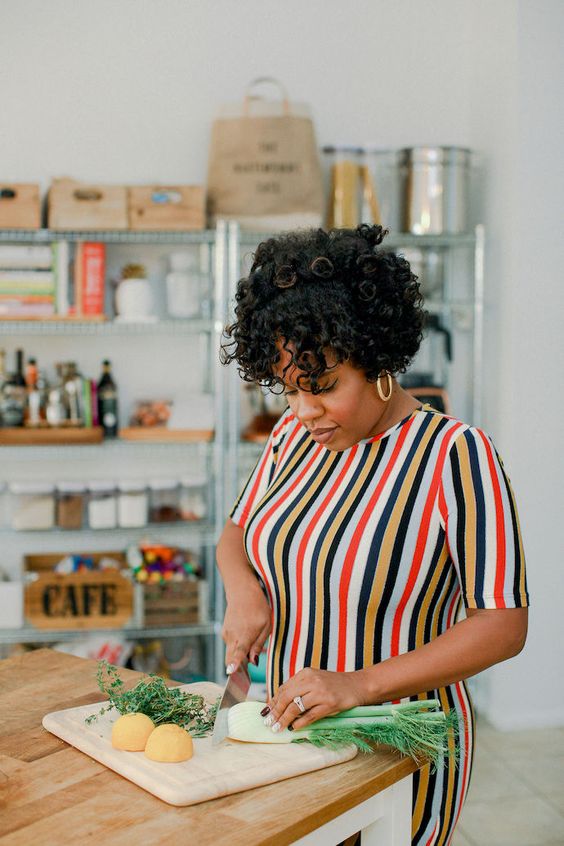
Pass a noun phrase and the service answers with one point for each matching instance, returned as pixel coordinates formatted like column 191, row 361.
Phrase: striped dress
column 368, row 553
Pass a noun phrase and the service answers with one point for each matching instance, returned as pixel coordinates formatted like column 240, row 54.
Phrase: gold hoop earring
column 381, row 394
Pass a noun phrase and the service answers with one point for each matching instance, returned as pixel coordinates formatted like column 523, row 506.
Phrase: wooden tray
column 213, row 771
column 27, row 436
column 160, row 434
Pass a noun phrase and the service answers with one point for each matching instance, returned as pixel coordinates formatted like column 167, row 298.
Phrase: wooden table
column 52, row 794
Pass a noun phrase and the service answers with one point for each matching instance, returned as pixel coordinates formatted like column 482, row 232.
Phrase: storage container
column 193, row 498
column 11, row 605
column 163, row 501
column 183, row 286
column 170, row 207
column 175, row 603
column 79, row 205
column 71, row 498
column 132, row 504
column 87, row 599
column 32, row 506
column 102, row 504
column 20, row 206
column 436, row 189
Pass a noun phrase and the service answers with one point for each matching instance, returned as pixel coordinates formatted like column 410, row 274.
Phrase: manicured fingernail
column 290, row 728
column 229, row 669
column 256, row 660
column 276, row 727
column 264, row 711
column 269, row 720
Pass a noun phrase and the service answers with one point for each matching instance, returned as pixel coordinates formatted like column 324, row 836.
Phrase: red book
column 92, row 276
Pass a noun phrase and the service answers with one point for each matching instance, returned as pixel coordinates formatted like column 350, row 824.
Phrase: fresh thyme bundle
column 153, row 698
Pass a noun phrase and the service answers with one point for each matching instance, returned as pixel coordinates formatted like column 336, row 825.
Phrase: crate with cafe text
column 88, row 591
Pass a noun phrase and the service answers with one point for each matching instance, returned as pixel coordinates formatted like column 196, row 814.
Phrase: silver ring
column 300, row 703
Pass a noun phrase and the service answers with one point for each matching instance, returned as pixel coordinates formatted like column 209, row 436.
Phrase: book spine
column 15, row 255
column 61, row 269
column 93, row 276
column 76, row 308
column 87, row 402
column 94, row 403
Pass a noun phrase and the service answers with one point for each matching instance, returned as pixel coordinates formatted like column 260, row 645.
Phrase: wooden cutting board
column 215, row 771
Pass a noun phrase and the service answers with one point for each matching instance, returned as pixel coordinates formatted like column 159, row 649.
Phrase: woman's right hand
column 246, row 626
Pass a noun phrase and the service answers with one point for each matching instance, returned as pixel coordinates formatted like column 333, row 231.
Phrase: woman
column 368, row 518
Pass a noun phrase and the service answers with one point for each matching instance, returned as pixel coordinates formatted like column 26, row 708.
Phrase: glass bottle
column 108, row 402
column 19, row 372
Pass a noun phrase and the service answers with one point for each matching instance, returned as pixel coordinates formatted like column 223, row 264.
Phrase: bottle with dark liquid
column 108, row 402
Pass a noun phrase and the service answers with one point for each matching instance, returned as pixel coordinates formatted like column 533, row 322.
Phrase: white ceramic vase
column 134, row 300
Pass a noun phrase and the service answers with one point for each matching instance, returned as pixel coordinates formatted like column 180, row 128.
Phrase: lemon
column 130, row 732
column 170, row 744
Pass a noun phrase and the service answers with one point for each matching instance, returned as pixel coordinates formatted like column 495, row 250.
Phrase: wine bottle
column 108, row 402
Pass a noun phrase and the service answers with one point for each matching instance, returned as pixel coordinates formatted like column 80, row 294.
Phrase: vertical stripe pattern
column 369, row 552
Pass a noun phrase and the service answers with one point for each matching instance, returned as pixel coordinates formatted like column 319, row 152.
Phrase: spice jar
column 193, row 505
column 102, row 504
column 164, row 506
column 33, row 506
column 70, row 504
column 132, row 504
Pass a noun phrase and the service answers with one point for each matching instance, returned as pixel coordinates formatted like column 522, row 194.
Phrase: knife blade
column 235, row 691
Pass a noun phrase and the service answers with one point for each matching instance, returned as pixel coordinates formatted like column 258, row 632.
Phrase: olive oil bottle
column 108, row 402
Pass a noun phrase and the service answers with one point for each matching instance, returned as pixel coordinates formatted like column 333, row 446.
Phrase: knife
column 235, row 691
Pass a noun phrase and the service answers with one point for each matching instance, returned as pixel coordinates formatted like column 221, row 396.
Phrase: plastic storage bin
column 32, row 506
column 132, row 504
column 164, row 501
column 70, row 505
column 193, row 498
column 102, row 504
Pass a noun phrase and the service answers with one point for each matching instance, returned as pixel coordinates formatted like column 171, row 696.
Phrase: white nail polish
column 229, row 669
column 276, row 727
column 268, row 720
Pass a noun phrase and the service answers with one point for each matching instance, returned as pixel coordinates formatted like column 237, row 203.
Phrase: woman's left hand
column 322, row 692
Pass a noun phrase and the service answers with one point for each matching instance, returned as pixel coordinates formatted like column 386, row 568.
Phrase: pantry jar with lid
column 32, row 506
column 132, row 504
column 163, row 501
column 102, row 504
column 70, row 504
column 182, row 285
column 193, row 498
column 436, row 189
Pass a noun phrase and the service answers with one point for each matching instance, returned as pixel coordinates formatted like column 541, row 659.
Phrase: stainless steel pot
column 435, row 189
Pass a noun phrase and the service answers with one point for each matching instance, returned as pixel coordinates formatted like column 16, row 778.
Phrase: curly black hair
column 321, row 291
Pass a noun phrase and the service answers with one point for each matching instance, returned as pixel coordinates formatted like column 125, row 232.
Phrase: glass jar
column 345, row 189
column 12, row 403
column 382, row 171
column 182, row 286
column 164, row 505
column 70, row 504
column 102, row 504
column 193, row 498
column 132, row 504
column 32, row 506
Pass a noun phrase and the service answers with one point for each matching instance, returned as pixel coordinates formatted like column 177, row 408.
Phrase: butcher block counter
column 52, row 794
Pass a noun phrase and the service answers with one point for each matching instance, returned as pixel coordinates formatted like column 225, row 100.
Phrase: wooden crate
column 167, row 208
column 20, row 206
column 100, row 599
column 174, row 603
column 78, row 205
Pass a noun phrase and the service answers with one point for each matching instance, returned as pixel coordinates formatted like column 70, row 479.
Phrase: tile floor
column 516, row 795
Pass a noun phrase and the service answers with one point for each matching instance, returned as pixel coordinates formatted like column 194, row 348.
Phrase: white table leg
column 384, row 819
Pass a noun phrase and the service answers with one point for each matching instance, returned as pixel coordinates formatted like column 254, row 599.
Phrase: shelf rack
column 27, row 634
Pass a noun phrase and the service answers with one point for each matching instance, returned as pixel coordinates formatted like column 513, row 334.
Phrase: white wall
column 126, row 92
